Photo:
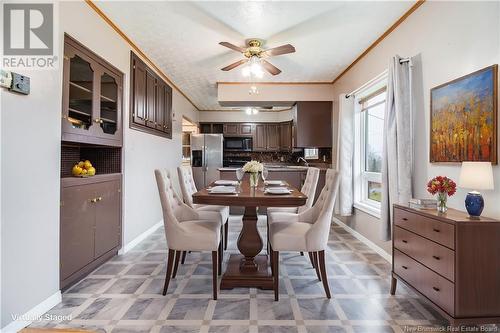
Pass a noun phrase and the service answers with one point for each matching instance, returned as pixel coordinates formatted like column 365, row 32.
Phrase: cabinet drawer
column 440, row 232
column 437, row 257
column 439, row 290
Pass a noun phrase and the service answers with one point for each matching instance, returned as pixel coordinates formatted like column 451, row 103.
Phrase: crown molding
column 137, row 49
column 272, row 83
column 242, row 110
column 381, row 38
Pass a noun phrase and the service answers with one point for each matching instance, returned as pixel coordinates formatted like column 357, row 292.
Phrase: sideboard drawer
column 440, row 232
column 433, row 286
column 437, row 257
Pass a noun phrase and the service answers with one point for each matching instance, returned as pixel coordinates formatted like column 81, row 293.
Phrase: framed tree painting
column 464, row 118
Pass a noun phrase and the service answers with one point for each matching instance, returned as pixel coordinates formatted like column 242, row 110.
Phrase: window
column 311, row 153
column 369, row 135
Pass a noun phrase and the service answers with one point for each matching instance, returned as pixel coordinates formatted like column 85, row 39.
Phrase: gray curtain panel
column 397, row 155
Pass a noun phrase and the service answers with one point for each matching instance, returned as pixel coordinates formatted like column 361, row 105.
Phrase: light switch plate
column 5, row 79
column 20, row 84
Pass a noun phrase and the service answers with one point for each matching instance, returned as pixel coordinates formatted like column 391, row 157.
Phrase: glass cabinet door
column 81, row 81
column 108, row 104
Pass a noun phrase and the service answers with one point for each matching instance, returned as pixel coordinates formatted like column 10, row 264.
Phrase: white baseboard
column 30, row 316
column 365, row 240
column 130, row 245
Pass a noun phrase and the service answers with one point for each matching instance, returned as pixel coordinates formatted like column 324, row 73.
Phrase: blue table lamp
column 475, row 176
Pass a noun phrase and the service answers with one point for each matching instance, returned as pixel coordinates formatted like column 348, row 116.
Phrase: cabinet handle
column 146, row 119
column 404, row 241
column 99, row 198
column 436, row 257
column 97, row 120
column 404, row 267
column 94, row 200
column 405, row 219
column 435, row 288
column 436, row 230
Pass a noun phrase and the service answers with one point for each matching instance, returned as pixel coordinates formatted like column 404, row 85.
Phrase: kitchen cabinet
column 260, row 138
column 231, row 129
column 286, row 136
column 92, row 97
column 150, row 100
column 313, row 125
column 211, row 128
column 273, row 137
column 246, row 129
column 90, row 229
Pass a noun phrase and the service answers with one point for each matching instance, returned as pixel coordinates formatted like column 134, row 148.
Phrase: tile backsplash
column 283, row 157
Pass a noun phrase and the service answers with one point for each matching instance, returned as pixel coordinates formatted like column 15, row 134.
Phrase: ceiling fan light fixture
column 248, row 111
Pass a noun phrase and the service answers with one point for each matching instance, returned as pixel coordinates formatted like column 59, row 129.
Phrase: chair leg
column 214, row 273
column 176, row 264
column 267, row 234
column 170, row 261
column 316, row 266
column 220, row 256
column 324, row 276
column 311, row 258
column 183, row 259
column 276, row 275
column 226, row 232
column 301, row 253
column 271, row 261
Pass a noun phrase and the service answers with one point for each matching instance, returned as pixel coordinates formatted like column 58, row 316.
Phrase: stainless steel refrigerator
column 206, row 158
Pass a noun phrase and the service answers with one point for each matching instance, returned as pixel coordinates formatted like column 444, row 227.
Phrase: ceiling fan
column 256, row 55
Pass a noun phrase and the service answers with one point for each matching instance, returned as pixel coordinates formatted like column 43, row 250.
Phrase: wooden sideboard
column 451, row 260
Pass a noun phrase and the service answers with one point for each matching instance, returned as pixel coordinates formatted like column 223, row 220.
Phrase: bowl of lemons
column 83, row 169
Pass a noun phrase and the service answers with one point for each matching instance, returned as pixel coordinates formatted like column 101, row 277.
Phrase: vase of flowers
column 443, row 187
column 253, row 168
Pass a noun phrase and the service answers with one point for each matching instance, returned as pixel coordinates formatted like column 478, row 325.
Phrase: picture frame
column 464, row 118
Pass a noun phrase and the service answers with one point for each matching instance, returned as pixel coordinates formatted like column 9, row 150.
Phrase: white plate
column 222, row 190
column 273, row 182
column 226, row 182
column 278, row 190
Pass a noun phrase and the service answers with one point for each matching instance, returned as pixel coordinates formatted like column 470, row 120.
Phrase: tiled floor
column 124, row 295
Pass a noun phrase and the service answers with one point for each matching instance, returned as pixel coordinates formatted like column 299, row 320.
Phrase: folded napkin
column 226, row 182
column 278, row 190
column 273, row 182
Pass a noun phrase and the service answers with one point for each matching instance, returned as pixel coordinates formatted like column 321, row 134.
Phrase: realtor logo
column 28, row 29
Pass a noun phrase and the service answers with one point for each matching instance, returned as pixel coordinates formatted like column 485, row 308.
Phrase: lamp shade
column 476, row 176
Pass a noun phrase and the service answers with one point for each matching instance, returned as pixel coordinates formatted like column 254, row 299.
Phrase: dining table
column 250, row 268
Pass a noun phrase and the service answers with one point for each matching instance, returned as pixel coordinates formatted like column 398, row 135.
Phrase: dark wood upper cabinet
column 92, row 97
column 260, row 138
column 313, row 125
column 246, row 129
column 231, row 129
column 286, row 136
column 150, row 100
column 273, row 137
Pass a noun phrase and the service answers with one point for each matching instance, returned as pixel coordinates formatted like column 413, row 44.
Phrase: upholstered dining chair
column 307, row 231
column 187, row 230
column 308, row 188
column 188, row 188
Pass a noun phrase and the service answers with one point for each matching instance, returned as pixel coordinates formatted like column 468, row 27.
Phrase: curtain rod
column 401, row 61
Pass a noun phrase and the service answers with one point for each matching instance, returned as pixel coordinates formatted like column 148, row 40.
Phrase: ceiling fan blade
column 234, row 65
column 233, row 47
column 270, row 67
column 283, row 49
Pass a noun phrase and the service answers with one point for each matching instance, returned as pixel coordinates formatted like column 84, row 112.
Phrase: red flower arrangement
column 441, row 184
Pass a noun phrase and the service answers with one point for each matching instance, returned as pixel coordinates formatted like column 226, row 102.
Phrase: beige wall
column 30, row 157
column 450, row 39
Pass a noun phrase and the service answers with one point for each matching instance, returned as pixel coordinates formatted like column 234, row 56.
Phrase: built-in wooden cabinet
column 273, row 137
column 313, row 124
column 238, row 129
column 150, row 100
column 92, row 97
column 90, row 230
column 211, row 128
column 286, row 141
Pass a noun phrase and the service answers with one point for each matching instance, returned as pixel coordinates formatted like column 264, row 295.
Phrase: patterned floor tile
column 124, row 294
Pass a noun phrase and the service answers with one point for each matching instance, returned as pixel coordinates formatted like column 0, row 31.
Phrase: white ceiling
column 182, row 37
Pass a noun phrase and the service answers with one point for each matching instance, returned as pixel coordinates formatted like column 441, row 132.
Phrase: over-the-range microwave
column 238, row 143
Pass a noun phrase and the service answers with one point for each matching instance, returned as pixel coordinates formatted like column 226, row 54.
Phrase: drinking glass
column 264, row 174
column 239, row 174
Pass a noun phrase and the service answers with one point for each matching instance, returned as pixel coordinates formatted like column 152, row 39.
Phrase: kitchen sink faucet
column 303, row 159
